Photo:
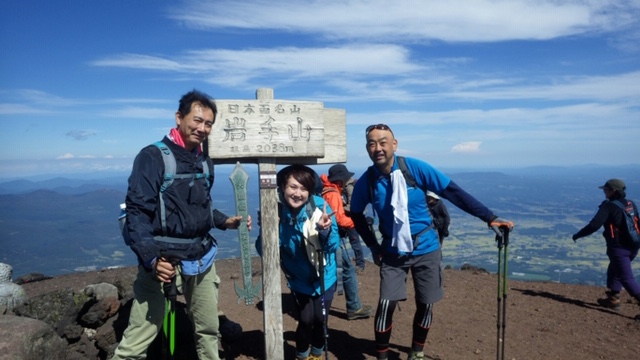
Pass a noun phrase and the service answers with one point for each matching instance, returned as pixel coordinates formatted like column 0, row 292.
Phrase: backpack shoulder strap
column 311, row 206
column 371, row 180
column 402, row 164
column 328, row 190
column 169, row 165
column 619, row 204
column 169, row 161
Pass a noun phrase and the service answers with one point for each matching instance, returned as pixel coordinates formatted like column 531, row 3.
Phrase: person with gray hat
column 620, row 249
column 332, row 193
column 354, row 237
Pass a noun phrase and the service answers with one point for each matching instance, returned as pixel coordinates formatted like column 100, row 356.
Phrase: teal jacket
column 301, row 274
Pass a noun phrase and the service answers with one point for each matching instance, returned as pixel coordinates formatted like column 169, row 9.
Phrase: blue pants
column 620, row 273
column 349, row 280
column 356, row 245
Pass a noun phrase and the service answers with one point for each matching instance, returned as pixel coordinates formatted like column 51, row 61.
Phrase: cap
column 433, row 195
column 615, row 185
column 339, row 172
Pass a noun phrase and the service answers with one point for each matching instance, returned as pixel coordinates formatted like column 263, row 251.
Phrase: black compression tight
column 310, row 328
column 384, row 323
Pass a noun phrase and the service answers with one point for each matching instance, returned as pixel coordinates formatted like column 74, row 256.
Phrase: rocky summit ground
column 543, row 320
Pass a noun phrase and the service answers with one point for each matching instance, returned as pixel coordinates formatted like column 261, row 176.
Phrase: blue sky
column 463, row 83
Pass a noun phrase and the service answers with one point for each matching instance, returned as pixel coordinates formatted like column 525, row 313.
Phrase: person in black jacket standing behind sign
column 620, row 249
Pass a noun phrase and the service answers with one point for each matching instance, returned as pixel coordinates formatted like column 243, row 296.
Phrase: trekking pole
column 324, row 308
column 169, row 324
column 502, row 238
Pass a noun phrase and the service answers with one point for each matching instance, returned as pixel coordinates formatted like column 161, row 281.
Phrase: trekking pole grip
column 505, row 234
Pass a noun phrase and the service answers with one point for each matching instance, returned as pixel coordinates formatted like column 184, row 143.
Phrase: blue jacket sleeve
column 463, row 200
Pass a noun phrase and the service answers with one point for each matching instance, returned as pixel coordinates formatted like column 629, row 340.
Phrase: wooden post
column 272, row 313
column 272, row 132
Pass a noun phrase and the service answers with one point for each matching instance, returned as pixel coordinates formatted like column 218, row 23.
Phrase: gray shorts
column 426, row 272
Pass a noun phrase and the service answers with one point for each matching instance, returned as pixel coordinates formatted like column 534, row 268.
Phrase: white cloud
column 288, row 63
column 611, row 87
column 467, row 147
column 65, row 156
column 415, row 20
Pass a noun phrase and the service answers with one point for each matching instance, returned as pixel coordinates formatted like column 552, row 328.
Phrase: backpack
column 631, row 216
column 342, row 232
column 170, row 175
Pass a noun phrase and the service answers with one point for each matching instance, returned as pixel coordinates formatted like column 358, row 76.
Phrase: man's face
column 195, row 126
column 381, row 145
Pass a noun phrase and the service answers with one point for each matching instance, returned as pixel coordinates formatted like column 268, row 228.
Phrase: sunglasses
column 370, row 128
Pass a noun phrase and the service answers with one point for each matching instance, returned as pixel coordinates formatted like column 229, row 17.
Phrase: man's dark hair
column 196, row 96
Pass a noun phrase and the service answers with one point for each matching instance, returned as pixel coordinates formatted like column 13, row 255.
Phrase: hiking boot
column 612, row 301
column 362, row 313
column 416, row 355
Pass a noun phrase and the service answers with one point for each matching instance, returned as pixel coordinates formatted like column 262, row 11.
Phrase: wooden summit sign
column 270, row 132
column 292, row 132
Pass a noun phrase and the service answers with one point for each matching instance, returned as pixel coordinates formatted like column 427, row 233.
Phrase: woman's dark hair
column 303, row 174
column 187, row 100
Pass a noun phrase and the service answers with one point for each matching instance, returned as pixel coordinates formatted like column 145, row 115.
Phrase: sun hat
column 339, row 172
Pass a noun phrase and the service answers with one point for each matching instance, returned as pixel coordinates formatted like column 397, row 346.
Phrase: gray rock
column 59, row 308
column 101, row 291
column 29, row 339
column 6, row 273
column 11, row 295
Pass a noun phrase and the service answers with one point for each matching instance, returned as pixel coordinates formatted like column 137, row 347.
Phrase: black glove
column 369, row 221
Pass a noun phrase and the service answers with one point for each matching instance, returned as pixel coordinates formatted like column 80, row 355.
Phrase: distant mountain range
column 61, row 225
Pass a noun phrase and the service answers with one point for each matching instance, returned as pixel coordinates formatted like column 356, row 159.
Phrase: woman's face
column 295, row 194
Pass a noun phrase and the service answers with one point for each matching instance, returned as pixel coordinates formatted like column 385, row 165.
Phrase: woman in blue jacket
column 307, row 238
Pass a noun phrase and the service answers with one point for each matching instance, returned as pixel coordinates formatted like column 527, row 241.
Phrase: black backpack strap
column 402, row 165
column 371, row 179
column 311, row 206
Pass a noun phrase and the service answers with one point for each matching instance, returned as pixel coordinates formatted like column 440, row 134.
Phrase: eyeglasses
column 370, row 128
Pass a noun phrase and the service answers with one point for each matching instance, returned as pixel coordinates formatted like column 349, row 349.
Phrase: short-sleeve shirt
column 427, row 178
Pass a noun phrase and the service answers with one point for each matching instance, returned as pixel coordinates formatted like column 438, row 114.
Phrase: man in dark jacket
column 169, row 232
column 620, row 249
